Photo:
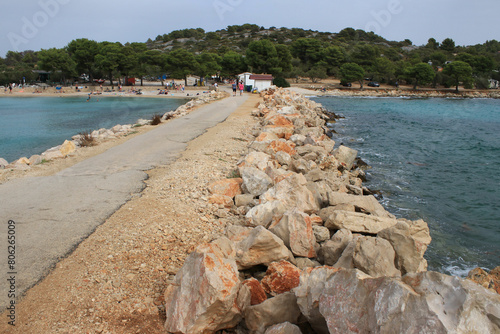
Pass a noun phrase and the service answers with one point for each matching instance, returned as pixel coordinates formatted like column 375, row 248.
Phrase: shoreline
column 52, row 160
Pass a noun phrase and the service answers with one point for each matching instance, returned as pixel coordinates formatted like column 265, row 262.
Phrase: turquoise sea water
column 435, row 159
column 31, row 125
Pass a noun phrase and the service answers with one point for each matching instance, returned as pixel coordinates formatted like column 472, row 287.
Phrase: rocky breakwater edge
column 95, row 137
column 310, row 252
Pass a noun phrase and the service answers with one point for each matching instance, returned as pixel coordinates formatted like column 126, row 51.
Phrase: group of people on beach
column 238, row 85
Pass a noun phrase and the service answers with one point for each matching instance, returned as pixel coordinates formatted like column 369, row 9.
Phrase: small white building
column 262, row 81
column 245, row 78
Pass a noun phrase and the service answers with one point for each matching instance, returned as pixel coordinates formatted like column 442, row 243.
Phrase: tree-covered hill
column 350, row 55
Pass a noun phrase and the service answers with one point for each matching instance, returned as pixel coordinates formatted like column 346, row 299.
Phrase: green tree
column 108, row 59
column 364, row 54
column 383, row 68
column 350, row 72
column 309, row 50
column 83, row 51
column 334, row 56
column 432, row 44
column 209, row 64
column 448, row 45
column 181, row 63
column 458, row 71
column 423, row 73
column 316, row 73
column 232, row 64
column 262, row 57
column 285, row 57
column 53, row 60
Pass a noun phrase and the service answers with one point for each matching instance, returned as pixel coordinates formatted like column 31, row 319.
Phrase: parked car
column 373, row 84
column 345, row 84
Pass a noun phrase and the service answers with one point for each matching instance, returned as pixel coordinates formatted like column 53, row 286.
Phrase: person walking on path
column 234, row 88
column 241, row 87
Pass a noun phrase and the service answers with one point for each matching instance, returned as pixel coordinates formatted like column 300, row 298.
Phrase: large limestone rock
column 366, row 204
column 284, row 328
column 461, row 306
column 264, row 214
column 281, row 277
column 258, row 160
column 354, row 303
column 206, row 295
column 332, row 250
column 276, row 310
column 357, row 222
column 295, row 229
column 426, row 302
column 67, row 148
column 345, row 156
column 255, row 181
column 374, row 256
column 260, row 247
column 3, row 163
column 293, row 193
column 312, row 284
column 226, row 187
column 409, row 249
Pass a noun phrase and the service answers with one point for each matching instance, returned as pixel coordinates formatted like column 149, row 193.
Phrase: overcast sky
column 37, row 24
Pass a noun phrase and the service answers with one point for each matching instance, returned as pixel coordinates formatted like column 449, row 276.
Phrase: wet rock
column 489, row 281
column 281, row 277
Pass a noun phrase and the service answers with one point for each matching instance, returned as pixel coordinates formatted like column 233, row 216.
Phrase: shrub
column 86, row 139
column 156, row 119
column 281, row 82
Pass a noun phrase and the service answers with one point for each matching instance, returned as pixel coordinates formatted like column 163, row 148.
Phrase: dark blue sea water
column 32, row 125
column 435, row 159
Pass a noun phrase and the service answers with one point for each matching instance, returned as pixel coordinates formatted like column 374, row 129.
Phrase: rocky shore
column 410, row 93
column 310, row 251
column 70, row 147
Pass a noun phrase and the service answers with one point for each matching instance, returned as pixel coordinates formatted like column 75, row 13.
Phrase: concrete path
column 53, row 214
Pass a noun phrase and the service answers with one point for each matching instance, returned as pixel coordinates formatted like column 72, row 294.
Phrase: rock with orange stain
column 281, row 277
column 226, row 187
column 267, row 136
column 257, row 293
column 278, row 121
column 312, row 283
column 490, row 281
column 285, row 146
column 206, row 295
column 226, row 201
column 258, row 160
column 295, row 229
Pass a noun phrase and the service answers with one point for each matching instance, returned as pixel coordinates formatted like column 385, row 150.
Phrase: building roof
column 261, row 77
